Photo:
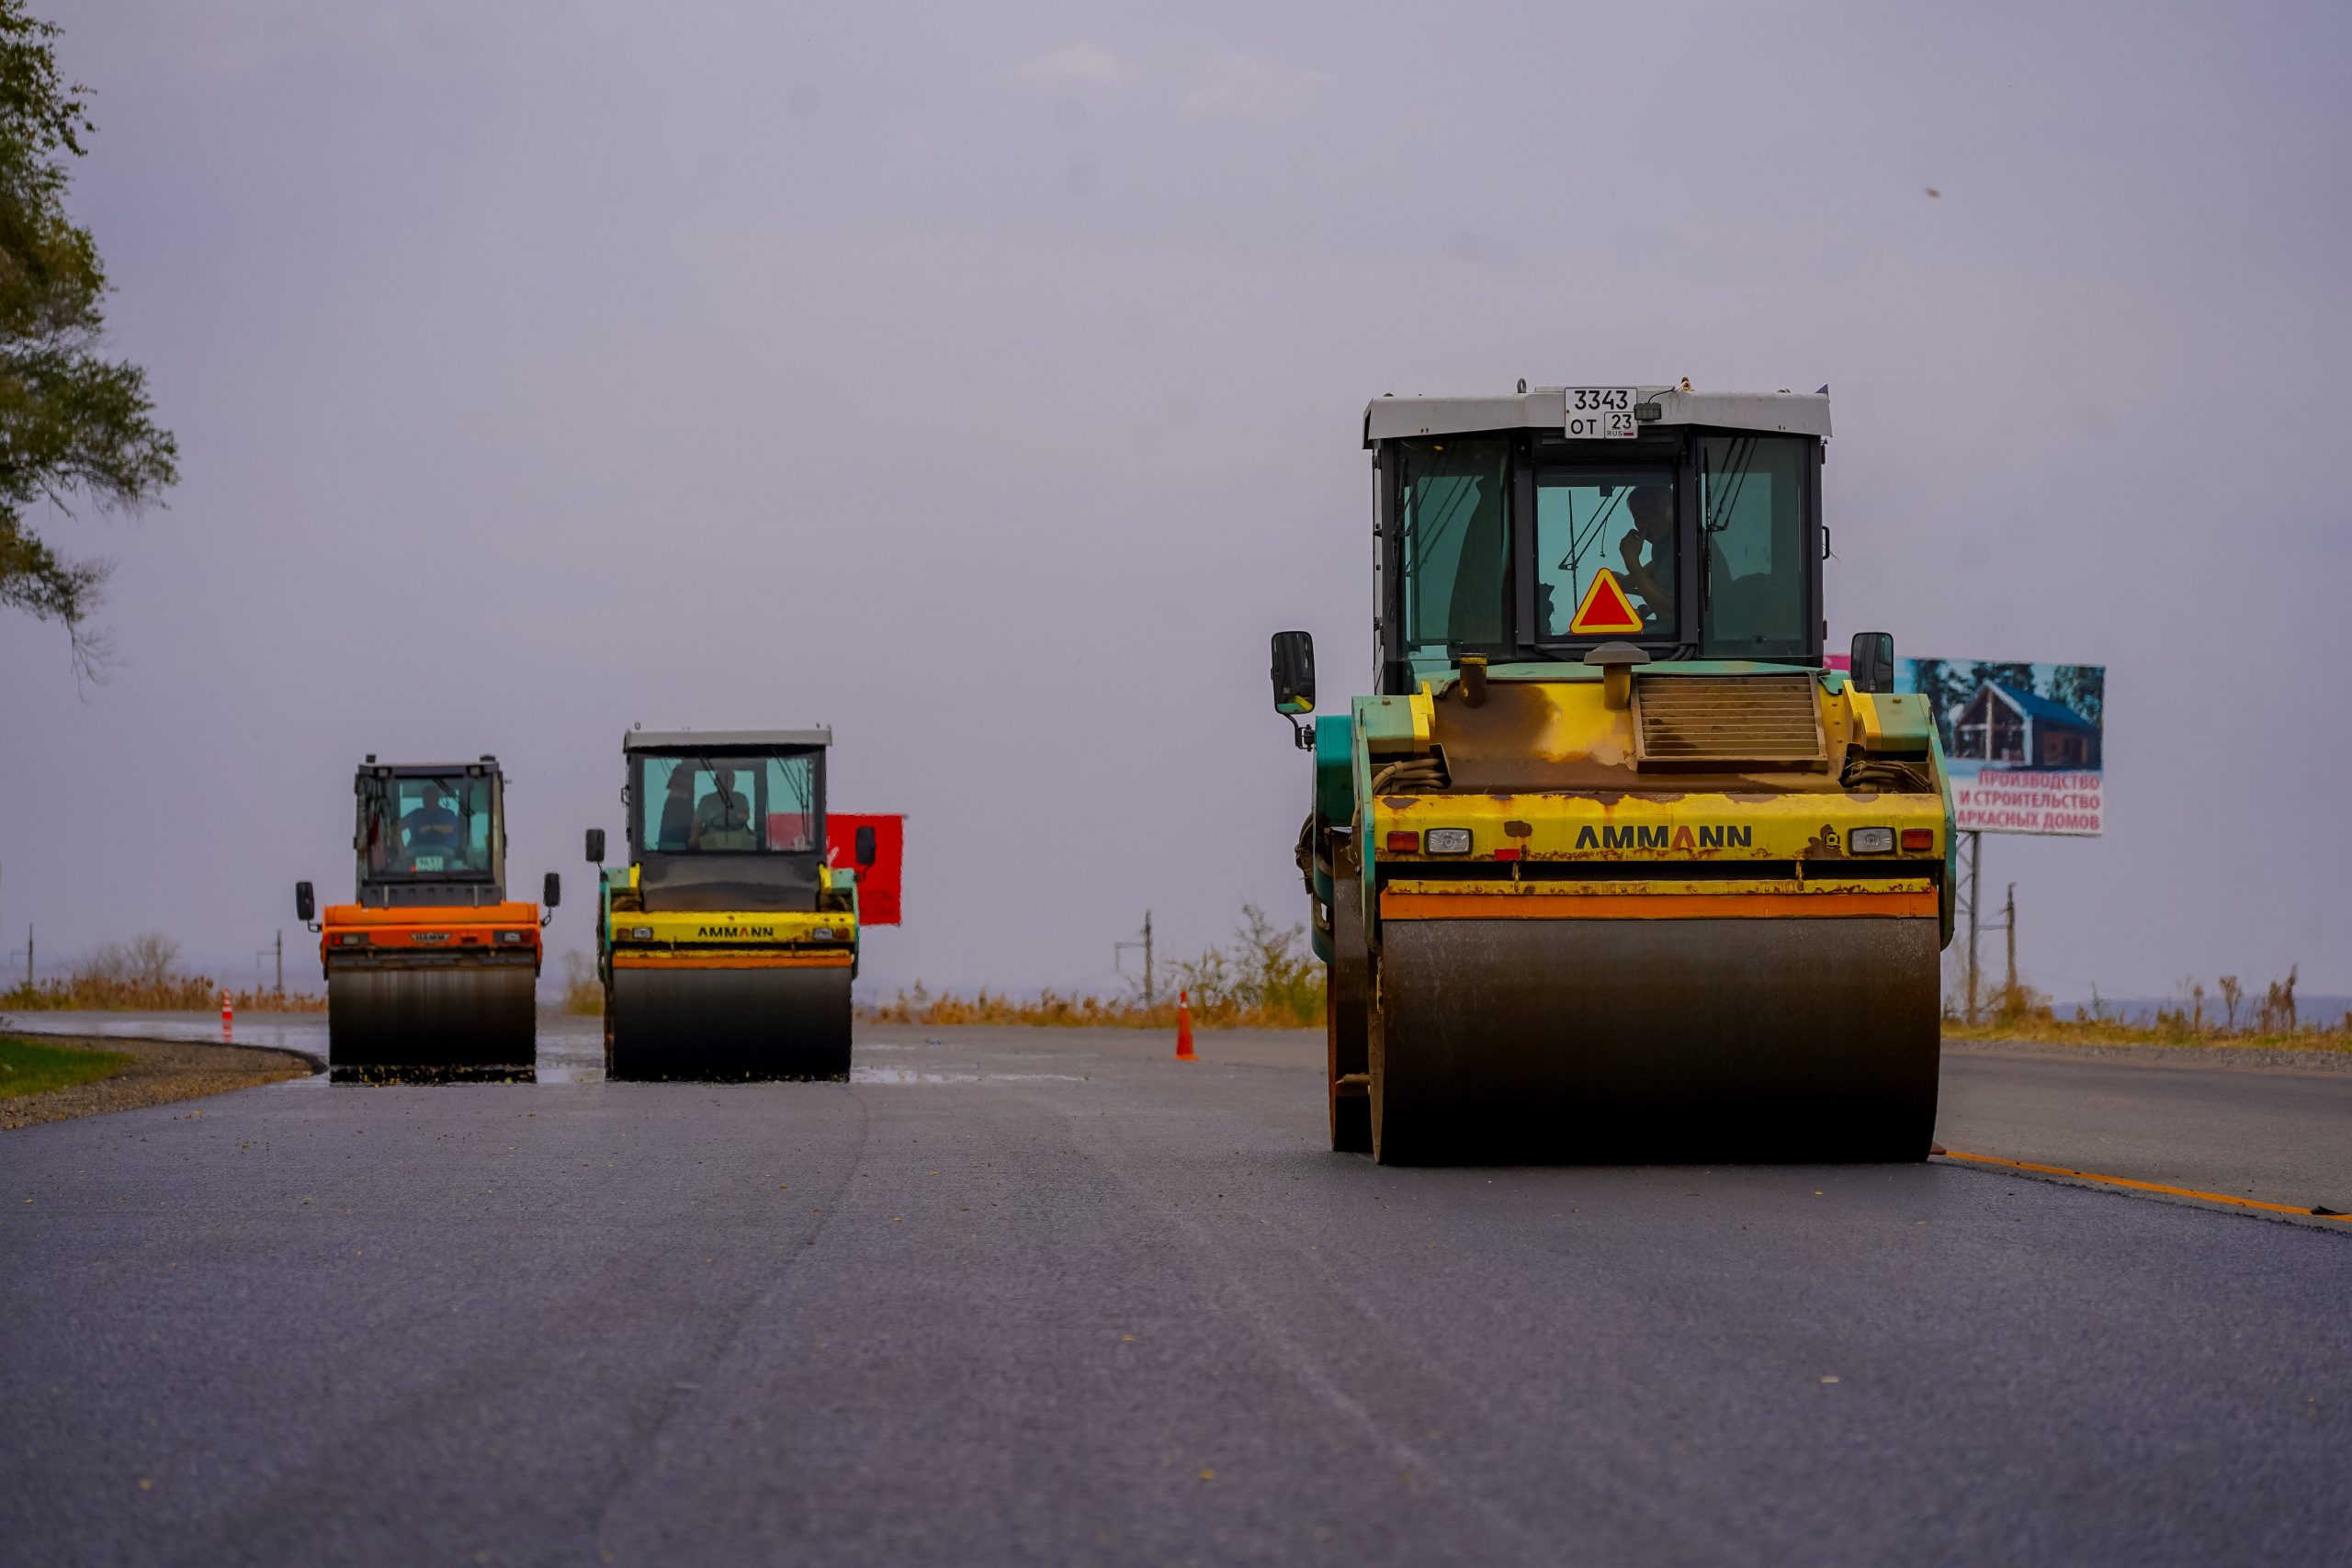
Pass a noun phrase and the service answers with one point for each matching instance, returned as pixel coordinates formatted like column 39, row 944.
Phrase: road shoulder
column 2205, row 1059
column 160, row 1073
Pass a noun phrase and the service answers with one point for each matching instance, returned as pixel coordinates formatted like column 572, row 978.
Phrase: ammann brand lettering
column 735, row 930
column 1635, row 837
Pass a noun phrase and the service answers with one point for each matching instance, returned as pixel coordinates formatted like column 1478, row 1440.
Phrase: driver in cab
column 429, row 831
column 723, row 818
column 1651, row 507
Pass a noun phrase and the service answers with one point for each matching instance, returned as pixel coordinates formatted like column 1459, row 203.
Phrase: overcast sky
column 989, row 388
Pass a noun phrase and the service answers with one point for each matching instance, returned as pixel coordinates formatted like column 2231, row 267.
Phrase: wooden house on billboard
column 2011, row 728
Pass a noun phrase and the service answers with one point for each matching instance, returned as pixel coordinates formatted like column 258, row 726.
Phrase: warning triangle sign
column 1605, row 608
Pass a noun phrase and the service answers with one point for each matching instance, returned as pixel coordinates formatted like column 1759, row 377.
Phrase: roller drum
column 1661, row 1040
column 1346, row 1022
column 468, row 1019
column 728, row 1023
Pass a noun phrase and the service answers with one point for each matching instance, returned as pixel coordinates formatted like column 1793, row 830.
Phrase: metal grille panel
column 1712, row 722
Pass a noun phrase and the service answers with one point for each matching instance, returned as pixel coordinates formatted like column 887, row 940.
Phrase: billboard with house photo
column 2025, row 742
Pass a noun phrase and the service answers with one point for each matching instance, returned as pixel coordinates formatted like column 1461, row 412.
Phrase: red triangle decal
column 1605, row 608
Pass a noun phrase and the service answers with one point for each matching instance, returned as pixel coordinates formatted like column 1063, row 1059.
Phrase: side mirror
column 306, row 906
column 1294, row 673
column 552, row 894
column 864, row 848
column 1874, row 662
column 595, row 846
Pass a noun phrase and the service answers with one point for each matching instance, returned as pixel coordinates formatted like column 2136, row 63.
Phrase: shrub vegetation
column 144, row 976
column 1268, row 978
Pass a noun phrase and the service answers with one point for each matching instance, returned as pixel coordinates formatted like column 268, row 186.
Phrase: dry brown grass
column 182, row 993
column 1268, row 979
column 584, row 994
column 144, row 976
column 1050, row 1009
column 2271, row 1020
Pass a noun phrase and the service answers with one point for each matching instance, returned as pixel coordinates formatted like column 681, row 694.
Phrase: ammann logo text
column 1640, row 838
column 735, row 930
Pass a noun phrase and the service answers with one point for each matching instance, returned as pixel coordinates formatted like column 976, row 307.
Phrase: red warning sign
column 1605, row 608
column 877, row 884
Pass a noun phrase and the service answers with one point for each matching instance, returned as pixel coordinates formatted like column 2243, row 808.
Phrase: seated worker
column 1652, row 509
column 430, row 830
column 722, row 820
column 678, row 811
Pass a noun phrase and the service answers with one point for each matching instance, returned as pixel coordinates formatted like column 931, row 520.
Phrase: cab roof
column 483, row 766
column 1545, row 408
column 725, row 739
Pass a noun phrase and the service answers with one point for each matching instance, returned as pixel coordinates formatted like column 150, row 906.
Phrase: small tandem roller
column 727, row 945
column 431, row 973
column 1616, row 866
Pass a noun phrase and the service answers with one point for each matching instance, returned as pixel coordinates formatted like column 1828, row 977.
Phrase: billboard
column 2025, row 742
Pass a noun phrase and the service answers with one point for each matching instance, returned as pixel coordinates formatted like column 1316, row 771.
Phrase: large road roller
column 431, row 973
column 728, row 942
column 1616, row 865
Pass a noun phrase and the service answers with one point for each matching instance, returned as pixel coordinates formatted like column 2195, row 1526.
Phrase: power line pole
column 2010, row 927
column 1119, row 947
column 281, row 964
column 1975, row 865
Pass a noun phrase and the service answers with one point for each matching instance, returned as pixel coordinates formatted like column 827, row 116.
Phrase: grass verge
column 28, row 1068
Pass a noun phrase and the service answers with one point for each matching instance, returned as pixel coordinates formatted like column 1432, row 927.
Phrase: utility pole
column 281, row 964
column 1975, row 864
column 2009, row 928
column 1119, row 947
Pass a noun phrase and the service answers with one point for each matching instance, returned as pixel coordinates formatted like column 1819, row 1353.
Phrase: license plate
column 1602, row 412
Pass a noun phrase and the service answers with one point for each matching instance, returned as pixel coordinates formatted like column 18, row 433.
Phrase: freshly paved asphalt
column 1049, row 1297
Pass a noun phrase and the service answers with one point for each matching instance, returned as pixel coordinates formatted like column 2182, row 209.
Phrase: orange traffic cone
column 1184, row 1028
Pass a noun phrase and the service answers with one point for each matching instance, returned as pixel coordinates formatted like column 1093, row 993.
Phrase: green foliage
column 28, row 1068
column 2016, row 677
column 75, row 427
column 2081, row 687
column 1944, row 692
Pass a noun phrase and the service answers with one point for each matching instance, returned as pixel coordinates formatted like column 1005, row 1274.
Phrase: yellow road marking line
column 2142, row 1186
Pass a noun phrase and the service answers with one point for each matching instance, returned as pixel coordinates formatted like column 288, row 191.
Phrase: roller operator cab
column 1613, row 864
column 728, row 942
column 432, row 972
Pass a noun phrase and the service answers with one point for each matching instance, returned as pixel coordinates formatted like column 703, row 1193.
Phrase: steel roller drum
column 453, row 1020
column 730, row 1024
column 1665, row 1040
column 1346, row 1008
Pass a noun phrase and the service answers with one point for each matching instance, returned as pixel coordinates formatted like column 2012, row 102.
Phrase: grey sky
column 988, row 388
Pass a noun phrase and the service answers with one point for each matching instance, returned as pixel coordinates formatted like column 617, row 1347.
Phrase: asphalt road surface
column 1050, row 1297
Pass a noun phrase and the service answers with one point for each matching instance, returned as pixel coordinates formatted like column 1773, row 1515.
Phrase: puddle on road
column 569, row 1055
column 880, row 1076
column 911, row 1076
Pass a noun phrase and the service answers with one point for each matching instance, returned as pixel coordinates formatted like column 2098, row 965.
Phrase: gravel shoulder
column 160, row 1073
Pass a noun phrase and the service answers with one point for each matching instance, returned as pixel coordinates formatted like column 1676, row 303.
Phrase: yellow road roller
column 1616, row 865
column 727, row 943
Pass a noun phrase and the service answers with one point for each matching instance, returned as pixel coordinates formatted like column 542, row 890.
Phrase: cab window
column 1752, row 510
column 1454, row 537
column 1618, row 519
